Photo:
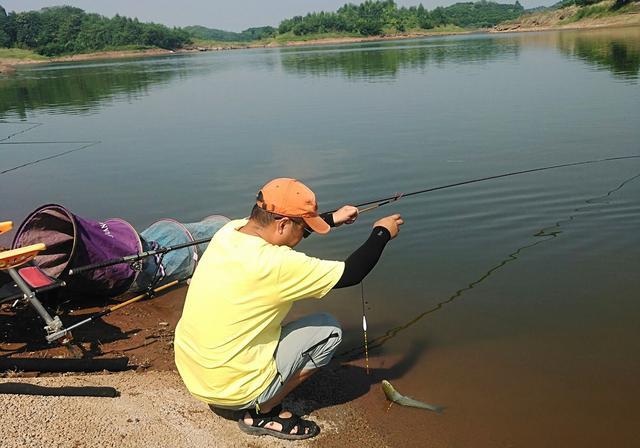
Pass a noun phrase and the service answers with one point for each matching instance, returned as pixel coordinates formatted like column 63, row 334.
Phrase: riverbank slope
column 154, row 408
column 10, row 57
column 599, row 15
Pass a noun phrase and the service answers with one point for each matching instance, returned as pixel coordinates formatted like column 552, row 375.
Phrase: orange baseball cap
column 293, row 199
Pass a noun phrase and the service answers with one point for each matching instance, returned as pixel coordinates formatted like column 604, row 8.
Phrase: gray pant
column 306, row 343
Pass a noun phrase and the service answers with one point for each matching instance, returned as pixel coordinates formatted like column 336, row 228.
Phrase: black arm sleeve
column 364, row 258
column 328, row 218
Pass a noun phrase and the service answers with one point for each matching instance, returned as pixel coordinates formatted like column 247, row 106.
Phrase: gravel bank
column 153, row 410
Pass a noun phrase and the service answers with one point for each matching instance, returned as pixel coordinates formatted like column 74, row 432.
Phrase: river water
column 514, row 302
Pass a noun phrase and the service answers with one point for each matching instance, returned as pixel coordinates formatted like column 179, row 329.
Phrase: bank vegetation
column 576, row 14
column 69, row 33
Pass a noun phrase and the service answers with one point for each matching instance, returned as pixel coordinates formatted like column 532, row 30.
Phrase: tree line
column 65, row 29
column 376, row 17
column 250, row 34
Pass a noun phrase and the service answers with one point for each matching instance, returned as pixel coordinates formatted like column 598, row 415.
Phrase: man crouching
column 230, row 348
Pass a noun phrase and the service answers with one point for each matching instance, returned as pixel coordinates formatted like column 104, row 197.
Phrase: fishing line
column 35, row 125
column 70, row 142
column 147, row 294
column 50, row 157
column 384, row 201
column 389, row 407
column 364, row 328
column 397, row 196
column 548, row 233
column 3, row 141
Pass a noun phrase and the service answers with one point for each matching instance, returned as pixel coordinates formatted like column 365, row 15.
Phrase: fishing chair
column 31, row 281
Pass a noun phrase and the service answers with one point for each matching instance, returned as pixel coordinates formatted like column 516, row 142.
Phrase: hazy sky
column 231, row 15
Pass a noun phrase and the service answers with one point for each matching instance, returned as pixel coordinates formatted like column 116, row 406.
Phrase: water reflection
column 544, row 235
column 614, row 50
column 79, row 89
column 82, row 88
column 383, row 61
column 617, row 50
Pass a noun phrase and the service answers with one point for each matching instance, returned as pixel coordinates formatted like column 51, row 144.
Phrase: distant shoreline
column 7, row 65
column 11, row 63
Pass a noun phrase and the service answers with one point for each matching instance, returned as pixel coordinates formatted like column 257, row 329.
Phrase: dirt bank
column 562, row 19
column 154, row 408
column 7, row 65
column 350, row 40
column 6, row 69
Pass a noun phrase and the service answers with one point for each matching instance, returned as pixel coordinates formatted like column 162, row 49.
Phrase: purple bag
column 73, row 241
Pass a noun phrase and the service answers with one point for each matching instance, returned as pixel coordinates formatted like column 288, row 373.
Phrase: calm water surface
column 514, row 303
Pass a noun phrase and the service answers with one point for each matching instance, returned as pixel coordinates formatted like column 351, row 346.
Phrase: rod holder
column 53, row 324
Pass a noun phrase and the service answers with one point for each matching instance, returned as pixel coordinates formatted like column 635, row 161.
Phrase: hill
column 256, row 33
column 568, row 14
column 60, row 30
column 384, row 17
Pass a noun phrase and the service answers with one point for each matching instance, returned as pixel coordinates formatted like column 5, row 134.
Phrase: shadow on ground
column 339, row 383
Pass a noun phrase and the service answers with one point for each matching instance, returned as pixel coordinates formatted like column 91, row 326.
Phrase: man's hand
column 391, row 223
column 345, row 215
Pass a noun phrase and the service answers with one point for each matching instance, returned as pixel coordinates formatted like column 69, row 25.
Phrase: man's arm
column 344, row 215
column 363, row 259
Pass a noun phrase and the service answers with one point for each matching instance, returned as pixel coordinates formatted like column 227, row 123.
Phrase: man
column 230, row 347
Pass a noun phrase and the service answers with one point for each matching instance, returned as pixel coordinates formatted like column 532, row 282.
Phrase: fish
column 396, row 397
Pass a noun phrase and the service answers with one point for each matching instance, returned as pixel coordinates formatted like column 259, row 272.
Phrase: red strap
column 35, row 277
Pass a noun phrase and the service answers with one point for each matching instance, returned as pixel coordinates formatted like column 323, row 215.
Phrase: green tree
column 65, row 29
column 375, row 17
column 5, row 34
column 586, row 2
column 27, row 29
column 620, row 3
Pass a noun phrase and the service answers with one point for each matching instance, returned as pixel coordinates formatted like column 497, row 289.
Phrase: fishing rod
column 109, row 310
column 56, row 142
column 135, row 257
column 42, row 289
column 549, row 233
column 384, row 201
column 33, row 126
column 60, row 154
column 377, row 203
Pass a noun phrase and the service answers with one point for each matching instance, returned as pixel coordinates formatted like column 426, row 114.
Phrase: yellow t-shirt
column 230, row 326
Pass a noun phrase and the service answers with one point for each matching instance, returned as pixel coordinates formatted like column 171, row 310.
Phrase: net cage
column 177, row 264
column 73, row 241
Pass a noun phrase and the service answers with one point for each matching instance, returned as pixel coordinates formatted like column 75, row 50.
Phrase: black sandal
column 257, row 428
